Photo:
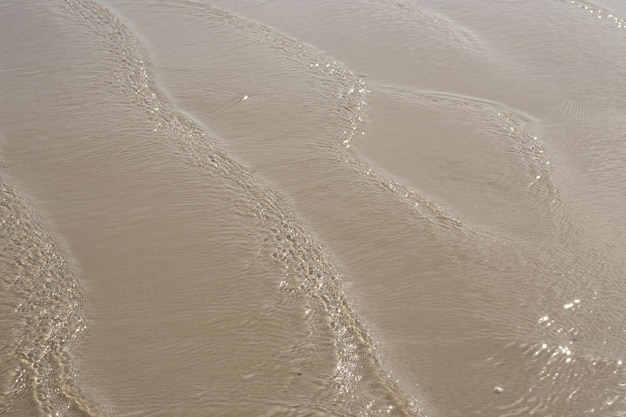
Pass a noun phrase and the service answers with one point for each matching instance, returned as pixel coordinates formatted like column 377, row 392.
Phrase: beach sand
column 272, row 208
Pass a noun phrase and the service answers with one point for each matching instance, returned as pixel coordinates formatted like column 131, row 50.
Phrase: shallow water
column 383, row 207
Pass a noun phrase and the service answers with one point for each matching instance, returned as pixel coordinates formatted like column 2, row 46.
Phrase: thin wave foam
column 360, row 379
column 41, row 289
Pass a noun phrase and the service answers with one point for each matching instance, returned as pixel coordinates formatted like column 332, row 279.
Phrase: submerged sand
column 285, row 208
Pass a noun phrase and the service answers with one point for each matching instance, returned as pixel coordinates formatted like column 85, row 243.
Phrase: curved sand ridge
column 360, row 378
column 47, row 303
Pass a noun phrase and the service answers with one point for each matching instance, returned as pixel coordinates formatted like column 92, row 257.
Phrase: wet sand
column 283, row 208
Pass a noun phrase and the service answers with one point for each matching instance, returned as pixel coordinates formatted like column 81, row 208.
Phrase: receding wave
column 598, row 13
column 42, row 296
column 509, row 125
column 454, row 34
column 565, row 379
column 360, row 379
column 534, row 296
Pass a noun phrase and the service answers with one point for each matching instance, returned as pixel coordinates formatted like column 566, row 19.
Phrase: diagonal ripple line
column 360, row 378
column 42, row 290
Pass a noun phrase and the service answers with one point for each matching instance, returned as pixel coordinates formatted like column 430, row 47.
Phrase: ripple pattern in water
column 42, row 318
column 375, row 208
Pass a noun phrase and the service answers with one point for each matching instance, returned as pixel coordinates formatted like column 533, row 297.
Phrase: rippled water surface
column 292, row 208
